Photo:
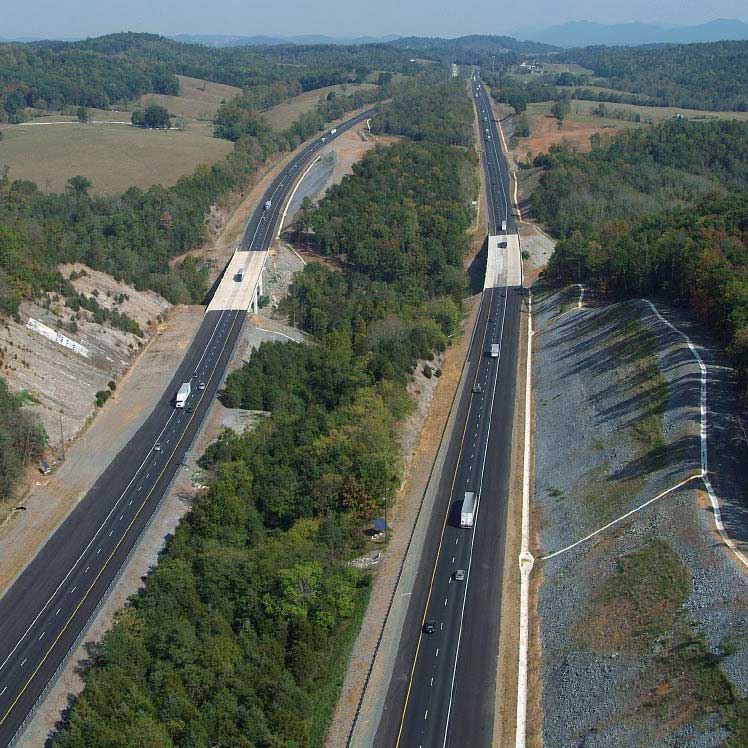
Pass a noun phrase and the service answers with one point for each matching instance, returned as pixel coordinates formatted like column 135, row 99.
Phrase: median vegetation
column 242, row 634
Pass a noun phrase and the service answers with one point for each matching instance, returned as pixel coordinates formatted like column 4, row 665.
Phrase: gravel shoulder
column 617, row 422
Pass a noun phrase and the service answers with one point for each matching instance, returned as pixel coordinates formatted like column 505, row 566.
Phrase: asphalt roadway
column 49, row 606
column 443, row 689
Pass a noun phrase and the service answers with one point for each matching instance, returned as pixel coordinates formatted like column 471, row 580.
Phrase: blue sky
column 76, row 18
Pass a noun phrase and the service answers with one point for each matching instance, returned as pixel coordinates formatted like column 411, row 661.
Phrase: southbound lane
column 47, row 609
column 443, row 688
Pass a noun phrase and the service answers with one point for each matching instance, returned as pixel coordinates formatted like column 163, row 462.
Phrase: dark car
column 429, row 627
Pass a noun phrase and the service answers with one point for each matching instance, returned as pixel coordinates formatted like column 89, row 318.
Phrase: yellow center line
column 441, row 539
column 121, row 540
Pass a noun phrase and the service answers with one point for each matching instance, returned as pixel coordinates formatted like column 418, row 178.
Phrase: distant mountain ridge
column 587, row 33
column 264, row 40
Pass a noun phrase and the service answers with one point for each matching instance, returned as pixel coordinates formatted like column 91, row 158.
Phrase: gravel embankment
column 590, row 469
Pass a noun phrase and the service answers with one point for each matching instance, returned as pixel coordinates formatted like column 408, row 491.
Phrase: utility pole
column 62, row 439
column 385, row 515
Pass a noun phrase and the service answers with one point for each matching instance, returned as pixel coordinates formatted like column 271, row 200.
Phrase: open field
column 581, row 124
column 282, row 115
column 198, row 99
column 113, row 157
column 649, row 114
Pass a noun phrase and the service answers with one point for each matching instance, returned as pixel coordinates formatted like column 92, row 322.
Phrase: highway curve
column 48, row 608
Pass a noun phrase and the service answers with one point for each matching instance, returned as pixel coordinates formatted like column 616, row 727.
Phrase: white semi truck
column 182, row 394
column 467, row 515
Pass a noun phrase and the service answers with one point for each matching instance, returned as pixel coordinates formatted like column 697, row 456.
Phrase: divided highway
column 47, row 609
column 443, row 689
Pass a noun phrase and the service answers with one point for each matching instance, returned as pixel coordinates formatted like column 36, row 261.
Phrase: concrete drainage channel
column 573, row 352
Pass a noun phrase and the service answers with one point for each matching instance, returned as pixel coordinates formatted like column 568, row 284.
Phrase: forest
column 242, row 634
column 49, row 79
column 118, row 68
column 425, row 109
column 694, row 76
column 660, row 212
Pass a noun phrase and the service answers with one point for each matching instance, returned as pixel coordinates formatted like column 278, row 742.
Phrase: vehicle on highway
column 477, row 389
column 201, row 386
column 333, row 131
column 494, row 350
column 239, row 277
column 503, row 225
column 268, row 204
column 467, row 515
column 157, row 447
column 183, row 393
column 429, row 628
column 459, row 575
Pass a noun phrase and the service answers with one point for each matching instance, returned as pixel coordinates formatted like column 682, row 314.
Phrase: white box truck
column 503, row 225
column 494, row 350
column 182, row 394
column 467, row 515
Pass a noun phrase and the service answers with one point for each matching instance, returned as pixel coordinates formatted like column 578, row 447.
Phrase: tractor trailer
column 467, row 515
column 182, row 394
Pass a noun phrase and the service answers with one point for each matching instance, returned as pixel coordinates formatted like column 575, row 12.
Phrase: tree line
column 662, row 211
column 47, row 79
column 694, row 76
column 242, row 633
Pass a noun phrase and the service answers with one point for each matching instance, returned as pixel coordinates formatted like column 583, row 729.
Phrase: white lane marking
column 83, row 553
column 111, row 532
column 58, row 611
column 86, row 571
column 23, row 662
column 41, row 636
column 437, row 652
column 445, row 602
column 98, row 552
column 74, row 589
column 5, row 688
column 472, row 535
column 121, row 517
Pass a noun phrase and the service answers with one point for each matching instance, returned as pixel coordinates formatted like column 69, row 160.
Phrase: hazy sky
column 76, row 18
